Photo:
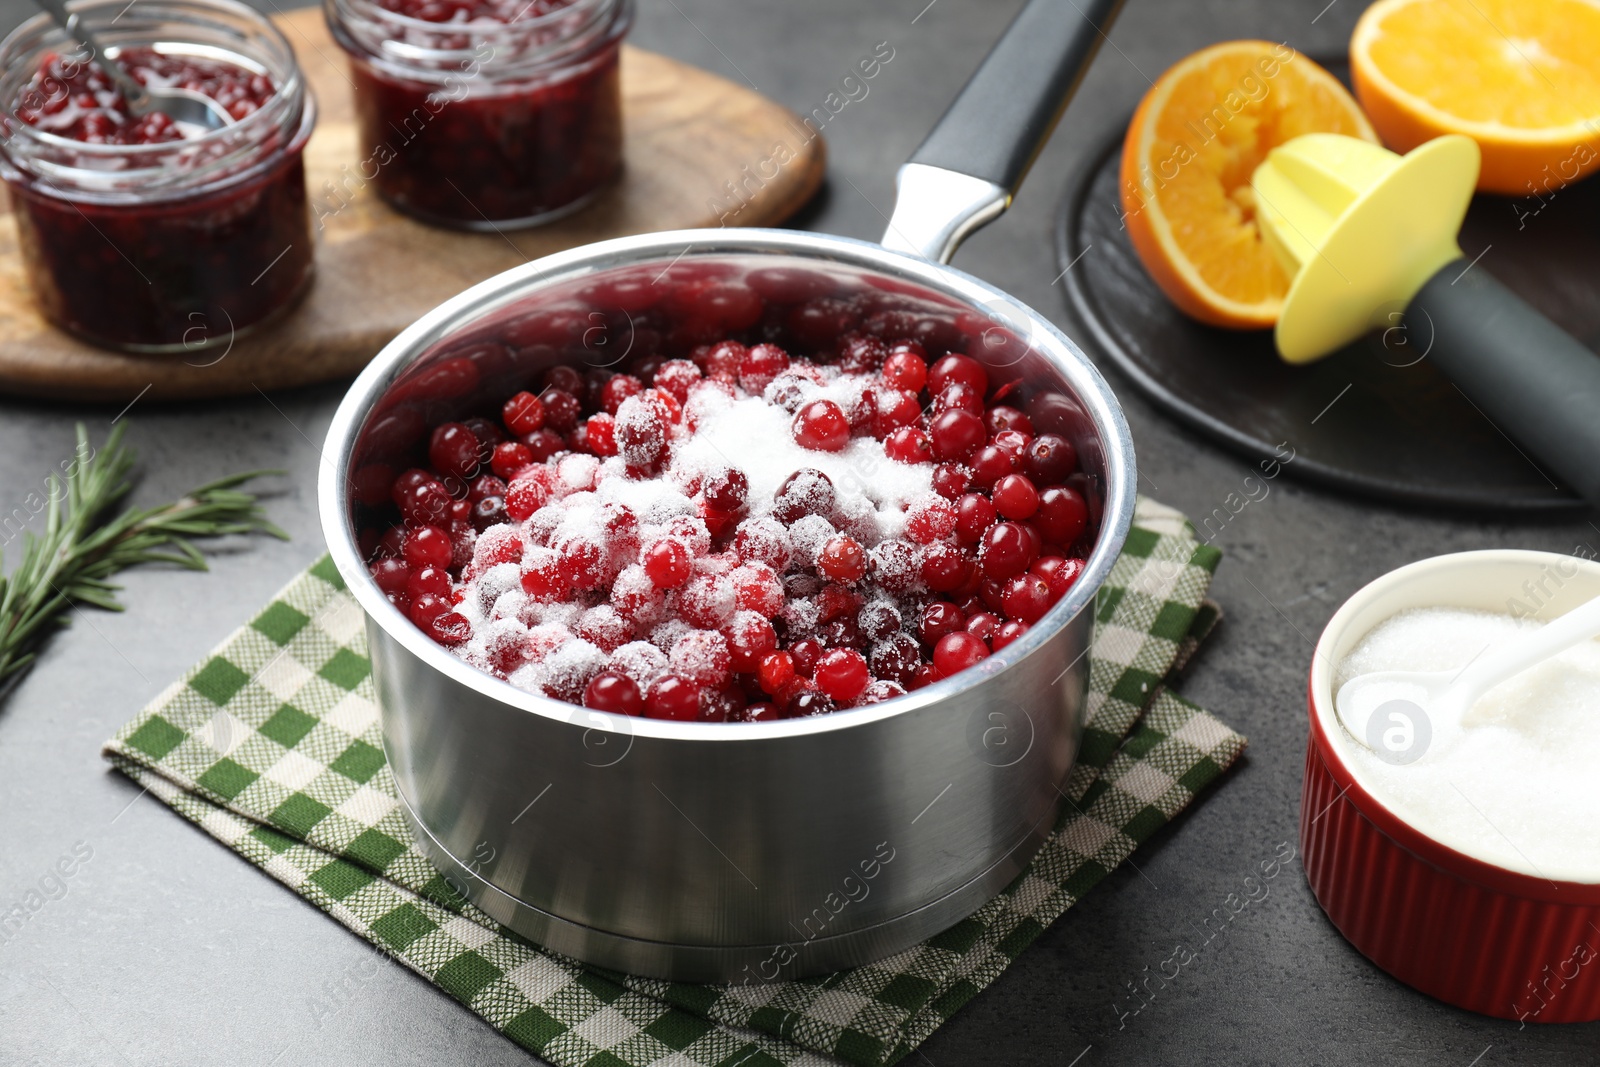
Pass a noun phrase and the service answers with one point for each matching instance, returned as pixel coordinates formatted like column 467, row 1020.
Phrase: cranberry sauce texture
column 507, row 121
column 506, row 157
column 140, row 235
column 689, row 536
column 74, row 99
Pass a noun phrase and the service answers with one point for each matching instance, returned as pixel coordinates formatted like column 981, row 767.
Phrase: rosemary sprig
column 83, row 544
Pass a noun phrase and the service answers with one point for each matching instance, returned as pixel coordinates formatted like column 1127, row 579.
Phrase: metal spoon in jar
column 183, row 106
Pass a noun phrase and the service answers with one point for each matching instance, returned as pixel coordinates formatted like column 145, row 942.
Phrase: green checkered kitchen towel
column 273, row 746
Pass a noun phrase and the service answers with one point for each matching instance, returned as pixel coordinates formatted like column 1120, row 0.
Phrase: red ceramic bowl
column 1472, row 933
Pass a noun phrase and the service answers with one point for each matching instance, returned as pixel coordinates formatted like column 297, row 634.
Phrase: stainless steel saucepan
column 750, row 852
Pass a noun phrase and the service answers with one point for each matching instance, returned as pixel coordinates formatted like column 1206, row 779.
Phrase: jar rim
column 289, row 92
column 549, row 18
column 375, row 33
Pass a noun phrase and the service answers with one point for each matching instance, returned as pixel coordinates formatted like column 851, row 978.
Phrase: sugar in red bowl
column 1508, row 931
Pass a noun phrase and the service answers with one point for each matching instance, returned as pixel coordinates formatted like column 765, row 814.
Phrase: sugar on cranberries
column 753, row 608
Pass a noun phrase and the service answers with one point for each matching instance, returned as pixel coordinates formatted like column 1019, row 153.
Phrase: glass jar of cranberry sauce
column 480, row 114
column 136, row 233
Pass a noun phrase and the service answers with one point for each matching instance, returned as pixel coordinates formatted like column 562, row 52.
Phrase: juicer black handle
column 1005, row 113
column 1532, row 379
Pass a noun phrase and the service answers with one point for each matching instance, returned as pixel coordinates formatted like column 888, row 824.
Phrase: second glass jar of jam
column 137, row 233
column 485, row 113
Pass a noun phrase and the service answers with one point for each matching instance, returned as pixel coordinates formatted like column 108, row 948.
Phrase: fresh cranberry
column 1006, row 551
column 982, row 625
column 945, row 567
column 391, row 574
column 1051, row 458
column 453, row 450
column 877, row 619
column 930, row 519
column 957, row 651
column 938, row 619
column 671, row 697
column 1065, row 577
column 1015, row 497
column 721, row 361
column 667, row 563
column 676, row 377
column 880, row 690
column 958, row 368
column 427, row 504
column 822, row 427
column 950, row 480
column 726, row 489
column 805, row 492
column 523, row 414
column 894, row 565
column 750, row 639
column 775, row 671
column 601, row 434
column 490, row 511
column 392, row 543
column 615, row 693
column 956, row 434
column 1026, row 597
column 991, row 464
column 763, row 711
column 1006, row 633
column 842, row 559
column 809, row 702
column 760, row 365
column 909, row 445
column 428, row 546
column 510, row 458
column 1014, row 442
column 806, row 653
column 925, row 675
column 1063, row 515
column 618, row 388
column 544, row 444
column 488, row 433
column 1003, row 417
column 974, row 516
column 861, row 354
column 449, row 628
column 485, row 485
column 896, row 658
column 895, row 408
column 906, row 370
column 842, row 674
column 959, row 395
column 561, row 409
column 524, row 496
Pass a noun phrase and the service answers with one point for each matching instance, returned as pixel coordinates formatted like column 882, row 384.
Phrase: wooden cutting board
column 687, row 133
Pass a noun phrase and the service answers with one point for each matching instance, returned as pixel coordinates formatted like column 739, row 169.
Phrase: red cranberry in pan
column 654, row 576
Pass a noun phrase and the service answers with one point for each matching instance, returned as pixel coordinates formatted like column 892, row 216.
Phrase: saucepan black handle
column 1532, row 379
column 1006, row 111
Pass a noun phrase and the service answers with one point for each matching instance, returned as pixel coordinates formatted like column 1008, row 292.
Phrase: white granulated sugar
column 666, row 635
column 494, row 583
column 1517, row 788
column 569, row 668
column 756, row 437
column 508, row 605
column 641, row 661
column 808, row 534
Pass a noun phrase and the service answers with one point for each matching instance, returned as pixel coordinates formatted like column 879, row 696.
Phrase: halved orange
column 1522, row 78
column 1186, row 165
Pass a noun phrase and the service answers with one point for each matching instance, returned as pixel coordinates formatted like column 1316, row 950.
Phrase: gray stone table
column 168, row 949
